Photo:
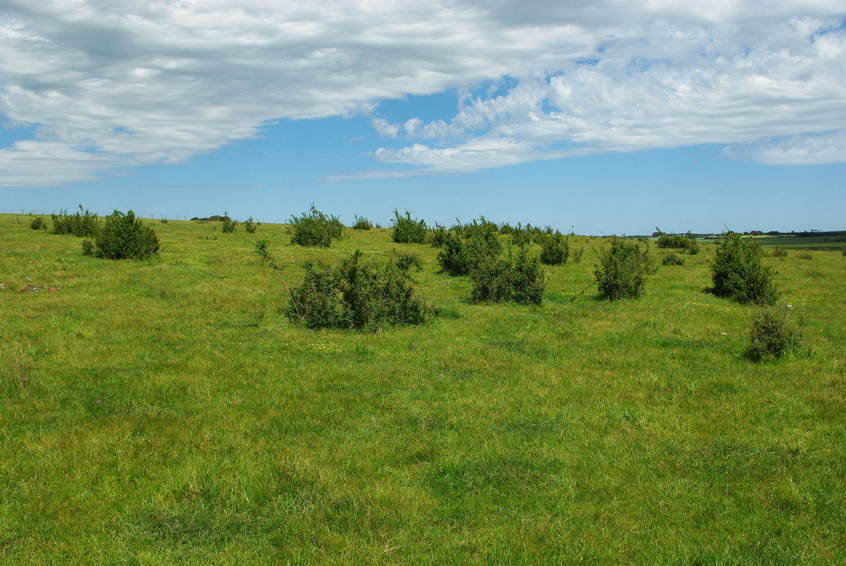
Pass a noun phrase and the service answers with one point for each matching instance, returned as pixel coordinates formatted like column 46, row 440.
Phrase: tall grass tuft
column 362, row 223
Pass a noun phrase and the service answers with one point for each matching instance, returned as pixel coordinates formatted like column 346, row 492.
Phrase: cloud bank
column 106, row 84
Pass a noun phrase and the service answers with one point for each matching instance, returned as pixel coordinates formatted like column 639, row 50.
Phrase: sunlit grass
column 164, row 412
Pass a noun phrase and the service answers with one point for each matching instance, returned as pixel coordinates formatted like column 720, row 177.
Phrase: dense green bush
column 555, row 249
column 678, row 241
column 250, row 225
column 228, row 226
column 408, row 230
column 737, row 272
column 437, row 236
column 87, row 247
column 622, row 269
column 407, row 262
column 672, row 259
column 38, row 223
column 315, row 228
column 82, row 223
column 520, row 279
column 362, row 223
column 459, row 256
column 355, row 294
column 772, row 336
column 125, row 236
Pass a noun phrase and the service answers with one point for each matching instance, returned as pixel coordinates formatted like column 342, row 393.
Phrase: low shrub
column 87, row 247
column 517, row 278
column 262, row 248
column 228, row 226
column 778, row 251
column 438, row 236
column 577, row 257
column 38, row 223
column 250, row 225
column 125, row 236
column 355, row 294
column 555, row 249
column 408, row 230
column 460, row 256
column 315, row 228
column 163, row 220
column 737, row 272
column 622, row 269
column 678, row 241
column 772, row 336
column 82, row 223
column 362, row 223
column 672, row 259
column 407, row 262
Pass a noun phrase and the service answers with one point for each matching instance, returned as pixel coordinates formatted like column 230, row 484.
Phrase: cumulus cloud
column 113, row 84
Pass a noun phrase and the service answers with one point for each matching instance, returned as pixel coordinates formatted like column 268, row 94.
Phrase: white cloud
column 107, row 84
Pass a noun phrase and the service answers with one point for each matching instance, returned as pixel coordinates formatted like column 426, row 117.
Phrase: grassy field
column 164, row 412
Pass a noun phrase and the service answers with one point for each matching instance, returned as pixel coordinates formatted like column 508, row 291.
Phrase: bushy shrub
column 228, row 226
column 437, row 236
column 38, row 223
column 163, row 220
column 517, row 278
column 362, row 223
column 407, row 262
column 87, row 247
column 737, row 272
column 408, row 230
column 125, row 236
column 82, row 223
column 355, row 294
column 678, row 241
column 315, row 228
column 459, row 256
column 672, row 259
column 772, row 336
column 622, row 269
column 555, row 249
column 250, row 225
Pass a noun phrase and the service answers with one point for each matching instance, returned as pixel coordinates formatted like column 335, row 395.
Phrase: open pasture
column 165, row 412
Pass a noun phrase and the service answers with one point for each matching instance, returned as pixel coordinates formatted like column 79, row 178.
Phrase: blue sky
column 683, row 118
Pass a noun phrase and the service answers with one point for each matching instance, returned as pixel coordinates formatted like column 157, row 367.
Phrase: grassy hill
column 165, row 412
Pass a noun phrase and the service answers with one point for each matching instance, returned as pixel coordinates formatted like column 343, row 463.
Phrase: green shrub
column 362, row 223
column 737, row 272
column 577, row 257
column 408, row 230
column 520, row 279
column 678, row 241
column 262, row 248
column 315, row 228
column 125, row 236
column 437, row 236
column 622, row 269
column 87, row 247
column 408, row 261
column 555, row 249
column 82, row 223
column 228, row 226
column 250, row 225
column 772, row 336
column 672, row 259
column 163, row 220
column 459, row 256
column 355, row 294
column 38, row 223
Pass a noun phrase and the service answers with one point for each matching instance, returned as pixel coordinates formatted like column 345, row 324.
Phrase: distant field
column 164, row 412
column 806, row 242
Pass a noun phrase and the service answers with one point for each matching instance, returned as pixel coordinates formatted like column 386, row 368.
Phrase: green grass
column 164, row 412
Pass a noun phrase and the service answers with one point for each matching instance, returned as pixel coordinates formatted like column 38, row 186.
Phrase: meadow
column 165, row 412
